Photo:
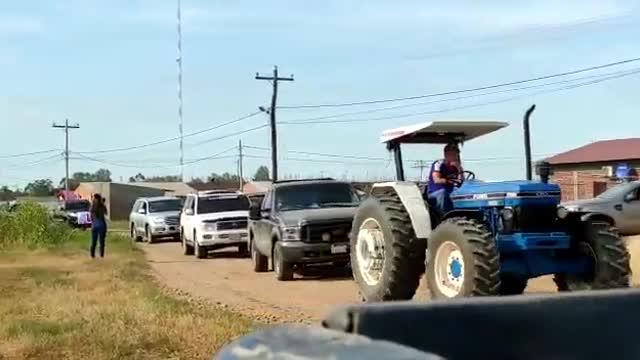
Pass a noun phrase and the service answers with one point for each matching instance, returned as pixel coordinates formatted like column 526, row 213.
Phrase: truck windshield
column 315, row 196
column 77, row 205
column 165, row 205
column 208, row 205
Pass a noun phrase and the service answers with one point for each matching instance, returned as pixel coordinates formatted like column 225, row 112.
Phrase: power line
column 172, row 139
column 548, row 91
column 395, row 107
column 11, row 156
column 369, row 102
column 229, row 135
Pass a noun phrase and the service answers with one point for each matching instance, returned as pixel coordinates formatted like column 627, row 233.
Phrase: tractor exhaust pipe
column 527, row 142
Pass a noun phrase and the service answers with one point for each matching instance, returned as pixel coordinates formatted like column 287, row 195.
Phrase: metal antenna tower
column 179, row 61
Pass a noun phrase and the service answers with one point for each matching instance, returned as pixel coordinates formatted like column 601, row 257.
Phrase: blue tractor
column 498, row 236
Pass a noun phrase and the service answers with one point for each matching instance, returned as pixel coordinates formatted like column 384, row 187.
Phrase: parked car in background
column 153, row 218
column 76, row 213
column 619, row 206
column 212, row 220
column 300, row 223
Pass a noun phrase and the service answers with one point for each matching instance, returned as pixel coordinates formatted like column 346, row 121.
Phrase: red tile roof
column 600, row 151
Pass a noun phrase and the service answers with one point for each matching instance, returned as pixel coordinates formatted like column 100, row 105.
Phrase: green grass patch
column 58, row 303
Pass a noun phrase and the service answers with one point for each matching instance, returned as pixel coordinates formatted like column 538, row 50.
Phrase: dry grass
column 60, row 304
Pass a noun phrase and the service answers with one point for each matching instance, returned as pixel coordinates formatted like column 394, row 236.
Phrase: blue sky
column 110, row 66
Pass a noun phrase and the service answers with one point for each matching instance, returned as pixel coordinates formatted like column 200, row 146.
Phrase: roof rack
column 303, row 180
column 218, row 191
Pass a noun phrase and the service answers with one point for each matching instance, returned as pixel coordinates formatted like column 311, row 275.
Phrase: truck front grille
column 232, row 224
column 172, row 220
column 319, row 232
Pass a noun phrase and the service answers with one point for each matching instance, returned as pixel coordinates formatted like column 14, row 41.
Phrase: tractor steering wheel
column 468, row 175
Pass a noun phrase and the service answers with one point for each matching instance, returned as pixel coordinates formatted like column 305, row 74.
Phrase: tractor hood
column 477, row 190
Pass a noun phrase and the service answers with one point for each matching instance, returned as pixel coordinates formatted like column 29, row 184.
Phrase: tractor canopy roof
column 441, row 132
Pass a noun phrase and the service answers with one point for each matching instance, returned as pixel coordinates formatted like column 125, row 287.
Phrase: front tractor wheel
column 610, row 256
column 463, row 260
column 387, row 259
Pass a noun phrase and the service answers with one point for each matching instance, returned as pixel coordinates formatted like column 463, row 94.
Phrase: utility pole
column 66, row 128
column 272, row 112
column 240, row 165
column 421, row 164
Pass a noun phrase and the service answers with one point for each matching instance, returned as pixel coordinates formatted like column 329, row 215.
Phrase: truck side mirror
column 254, row 212
column 142, row 211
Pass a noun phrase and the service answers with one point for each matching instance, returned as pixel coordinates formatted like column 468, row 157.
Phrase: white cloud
column 17, row 24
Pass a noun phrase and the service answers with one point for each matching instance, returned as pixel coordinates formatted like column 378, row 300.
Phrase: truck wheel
column 199, row 251
column 186, row 248
column 611, row 258
column 512, row 285
column 387, row 259
column 134, row 237
column 463, row 260
column 147, row 235
column 283, row 269
column 242, row 249
column 260, row 262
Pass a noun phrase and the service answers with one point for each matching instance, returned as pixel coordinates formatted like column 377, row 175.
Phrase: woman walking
column 98, row 224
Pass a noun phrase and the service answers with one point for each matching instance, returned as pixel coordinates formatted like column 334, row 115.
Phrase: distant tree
column 7, row 194
column 225, row 177
column 262, row 174
column 164, row 178
column 138, row 178
column 41, row 187
column 102, row 175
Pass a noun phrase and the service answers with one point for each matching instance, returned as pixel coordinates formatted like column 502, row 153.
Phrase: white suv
column 213, row 220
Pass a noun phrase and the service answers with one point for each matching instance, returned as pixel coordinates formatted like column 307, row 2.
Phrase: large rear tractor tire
column 463, row 260
column 611, row 271
column 387, row 259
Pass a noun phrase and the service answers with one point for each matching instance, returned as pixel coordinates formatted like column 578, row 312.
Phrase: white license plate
column 235, row 237
column 338, row 249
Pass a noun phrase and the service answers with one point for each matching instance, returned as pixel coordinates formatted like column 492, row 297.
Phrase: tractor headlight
column 563, row 212
column 507, row 215
column 291, row 233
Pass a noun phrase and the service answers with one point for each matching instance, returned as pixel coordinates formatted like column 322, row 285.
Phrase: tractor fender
column 596, row 216
column 413, row 202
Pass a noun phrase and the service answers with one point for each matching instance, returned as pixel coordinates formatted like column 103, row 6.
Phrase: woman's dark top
column 98, row 212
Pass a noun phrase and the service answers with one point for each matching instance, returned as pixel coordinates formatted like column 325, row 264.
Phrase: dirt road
column 226, row 279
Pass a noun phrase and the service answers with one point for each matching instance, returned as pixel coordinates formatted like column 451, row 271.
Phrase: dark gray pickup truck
column 302, row 222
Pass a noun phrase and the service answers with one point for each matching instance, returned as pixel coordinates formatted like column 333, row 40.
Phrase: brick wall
column 583, row 180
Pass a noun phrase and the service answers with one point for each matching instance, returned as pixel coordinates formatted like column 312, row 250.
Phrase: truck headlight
column 209, row 227
column 291, row 233
column 563, row 212
column 157, row 220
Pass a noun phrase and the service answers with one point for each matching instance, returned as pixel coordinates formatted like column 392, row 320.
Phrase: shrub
column 31, row 225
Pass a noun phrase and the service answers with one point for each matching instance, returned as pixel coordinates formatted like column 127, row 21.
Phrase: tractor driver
column 444, row 176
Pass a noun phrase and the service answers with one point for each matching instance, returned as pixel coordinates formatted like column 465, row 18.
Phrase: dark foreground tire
column 199, row 251
column 387, row 259
column 242, row 249
column 612, row 269
column 283, row 269
column 463, row 260
column 260, row 262
column 510, row 285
